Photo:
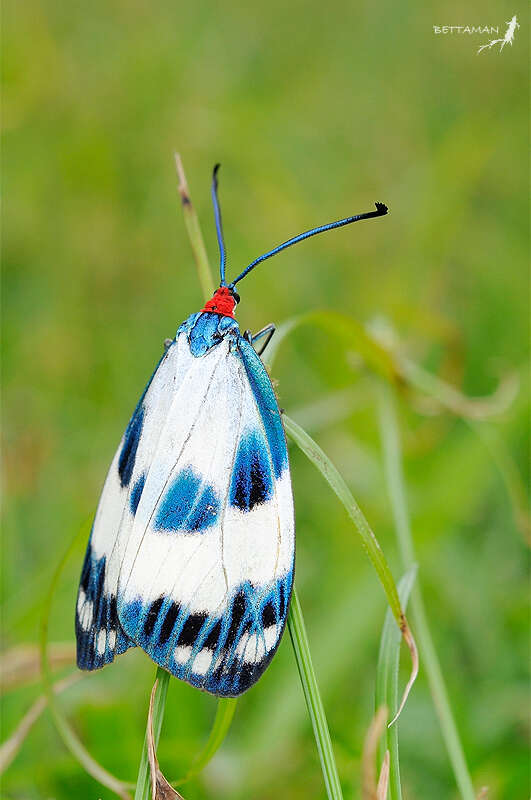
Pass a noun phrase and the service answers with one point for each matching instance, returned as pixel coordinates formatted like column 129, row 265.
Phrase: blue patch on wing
column 164, row 629
column 126, row 462
column 188, row 504
column 267, row 405
column 136, row 493
column 99, row 635
column 251, row 481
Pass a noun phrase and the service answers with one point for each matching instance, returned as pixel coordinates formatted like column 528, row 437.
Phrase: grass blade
column 194, row 233
column 160, row 788
column 387, row 682
column 11, row 746
column 396, row 486
column 370, row 544
column 369, row 541
column 370, row 790
column 143, row 782
column 301, row 648
column 222, row 721
column 349, row 331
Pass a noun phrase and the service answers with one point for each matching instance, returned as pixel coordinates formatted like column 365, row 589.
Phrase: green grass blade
column 387, row 682
column 301, row 648
column 396, row 486
column 350, row 333
column 194, row 233
column 222, row 722
column 143, row 782
column 369, row 541
column 473, row 408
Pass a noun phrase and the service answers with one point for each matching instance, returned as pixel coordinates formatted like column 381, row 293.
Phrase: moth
column 191, row 554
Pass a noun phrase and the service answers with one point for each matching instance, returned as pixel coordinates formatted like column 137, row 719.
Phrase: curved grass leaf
column 387, row 682
column 160, row 787
column 11, row 746
column 369, row 541
column 157, row 704
column 222, row 721
column 396, row 487
column 370, row 790
column 350, row 332
column 384, row 360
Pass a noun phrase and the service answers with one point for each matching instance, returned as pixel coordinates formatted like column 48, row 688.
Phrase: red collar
column 221, row 303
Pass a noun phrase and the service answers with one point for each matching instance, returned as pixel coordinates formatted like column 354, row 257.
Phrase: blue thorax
column 205, row 330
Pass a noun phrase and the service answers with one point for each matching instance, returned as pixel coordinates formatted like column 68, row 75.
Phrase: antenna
column 219, row 226
column 381, row 209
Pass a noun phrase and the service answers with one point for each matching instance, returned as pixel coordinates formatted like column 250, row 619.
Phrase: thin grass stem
column 143, row 782
column 396, row 487
column 301, row 648
column 194, row 233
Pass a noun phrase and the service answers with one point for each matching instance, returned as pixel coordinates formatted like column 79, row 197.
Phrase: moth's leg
column 167, row 343
column 268, row 332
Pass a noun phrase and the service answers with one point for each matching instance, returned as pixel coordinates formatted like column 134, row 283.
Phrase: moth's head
column 223, row 301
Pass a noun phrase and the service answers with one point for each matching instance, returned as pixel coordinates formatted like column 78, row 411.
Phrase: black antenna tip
column 215, row 170
column 381, row 208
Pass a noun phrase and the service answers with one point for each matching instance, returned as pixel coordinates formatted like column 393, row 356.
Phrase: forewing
column 207, row 571
column 99, row 634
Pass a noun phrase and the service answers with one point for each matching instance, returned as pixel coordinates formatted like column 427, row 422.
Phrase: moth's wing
column 99, row 635
column 208, row 569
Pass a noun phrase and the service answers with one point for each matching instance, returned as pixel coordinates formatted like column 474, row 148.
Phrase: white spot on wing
column 254, row 650
column 182, row 654
column 259, row 644
column 80, row 601
column 85, row 618
column 111, row 639
column 270, row 636
column 202, row 661
column 102, row 639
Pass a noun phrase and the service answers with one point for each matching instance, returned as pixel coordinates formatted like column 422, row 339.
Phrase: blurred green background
column 315, row 111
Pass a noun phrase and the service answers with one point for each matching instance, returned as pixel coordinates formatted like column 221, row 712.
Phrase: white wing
column 207, row 569
column 98, row 631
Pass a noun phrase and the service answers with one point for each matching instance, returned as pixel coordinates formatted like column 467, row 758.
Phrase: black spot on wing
column 238, row 612
column 169, row 622
column 152, row 615
column 213, row 637
column 282, row 601
column 85, row 572
column 190, row 630
column 99, row 582
column 245, row 677
column 268, row 615
column 126, row 461
column 251, row 481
